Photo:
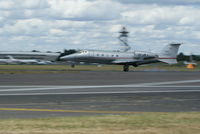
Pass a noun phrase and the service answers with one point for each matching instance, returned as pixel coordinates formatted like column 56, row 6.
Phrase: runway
column 94, row 93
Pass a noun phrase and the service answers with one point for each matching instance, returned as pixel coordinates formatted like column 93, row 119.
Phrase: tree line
column 182, row 57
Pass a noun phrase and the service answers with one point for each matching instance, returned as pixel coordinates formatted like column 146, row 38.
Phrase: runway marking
column 89, row 87
column 10, row 89
column 66, row 111
column 153, row 84
column 139, row 84
column 108, row 92
column 172, row 82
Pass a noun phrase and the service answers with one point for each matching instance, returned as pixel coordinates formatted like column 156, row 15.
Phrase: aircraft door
column 90, row 53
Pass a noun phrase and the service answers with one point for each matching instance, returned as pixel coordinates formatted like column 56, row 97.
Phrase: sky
column 55, row 25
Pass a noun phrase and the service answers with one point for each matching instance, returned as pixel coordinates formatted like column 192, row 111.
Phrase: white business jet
column 21, row 61
column 135, row 58
column 6, row 60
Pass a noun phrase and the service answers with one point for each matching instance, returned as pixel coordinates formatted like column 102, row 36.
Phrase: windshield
column 83, row 51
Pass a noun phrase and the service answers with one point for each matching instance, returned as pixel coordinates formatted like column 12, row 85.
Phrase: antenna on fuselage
column 123, row 37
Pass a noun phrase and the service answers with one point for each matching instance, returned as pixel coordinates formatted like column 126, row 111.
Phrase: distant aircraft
column 21, row 61
column 11, row 60
column 44, row 62
column 167, row 55
column 6, row 60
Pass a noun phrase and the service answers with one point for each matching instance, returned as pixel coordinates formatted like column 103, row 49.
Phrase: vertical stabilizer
column 10, row 57
column 169, row 53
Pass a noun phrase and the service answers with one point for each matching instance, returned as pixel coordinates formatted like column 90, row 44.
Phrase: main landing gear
column 126, row 68
column 73, row 65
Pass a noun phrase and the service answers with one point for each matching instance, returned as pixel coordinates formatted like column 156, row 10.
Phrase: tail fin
column 169, row 53
column 10, row 57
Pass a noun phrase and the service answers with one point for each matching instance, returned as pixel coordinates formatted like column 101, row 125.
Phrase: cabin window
column 97, row 54
column 102, row 54
column 117, row 55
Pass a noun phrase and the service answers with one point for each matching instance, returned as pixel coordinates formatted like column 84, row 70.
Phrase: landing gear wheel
column 126, row 68
column 72, row 65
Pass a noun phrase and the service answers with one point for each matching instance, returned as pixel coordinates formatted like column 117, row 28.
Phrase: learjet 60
column 135, row 58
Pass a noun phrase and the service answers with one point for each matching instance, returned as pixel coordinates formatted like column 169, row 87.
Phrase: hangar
column 49, row 56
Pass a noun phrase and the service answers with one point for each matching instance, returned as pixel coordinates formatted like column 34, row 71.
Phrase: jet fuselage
column 110, row 57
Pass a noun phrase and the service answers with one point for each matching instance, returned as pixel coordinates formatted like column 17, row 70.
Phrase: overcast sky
column 55, row 25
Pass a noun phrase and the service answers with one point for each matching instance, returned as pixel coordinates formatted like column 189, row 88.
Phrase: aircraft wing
column 134, row 62
column 131, row 61
column 138, row 60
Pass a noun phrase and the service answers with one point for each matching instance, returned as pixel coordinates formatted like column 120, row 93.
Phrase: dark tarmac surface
column 97, row 93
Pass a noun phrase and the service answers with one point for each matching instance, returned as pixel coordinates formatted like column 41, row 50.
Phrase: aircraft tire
column 126, row 68
column 72, row 65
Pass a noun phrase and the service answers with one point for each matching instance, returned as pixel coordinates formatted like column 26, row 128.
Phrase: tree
column 182, row 57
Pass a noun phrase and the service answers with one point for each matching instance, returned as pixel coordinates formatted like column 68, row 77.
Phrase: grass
column 139, row 123
column 13, row 69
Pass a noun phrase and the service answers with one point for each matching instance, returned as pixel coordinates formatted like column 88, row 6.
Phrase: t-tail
column 169, row 53
column 10, row 57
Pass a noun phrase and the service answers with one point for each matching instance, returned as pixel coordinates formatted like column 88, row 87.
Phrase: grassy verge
column 13, row 69
column 141, row 123
column 18, row 69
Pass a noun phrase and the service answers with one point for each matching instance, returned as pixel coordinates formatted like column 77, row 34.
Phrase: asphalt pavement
column 97, row 93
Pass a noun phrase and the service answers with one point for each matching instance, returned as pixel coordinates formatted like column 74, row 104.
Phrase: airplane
column 6, row 60
column 135, row 58
column 21, row 61
column 44, row 62
column 11, row 60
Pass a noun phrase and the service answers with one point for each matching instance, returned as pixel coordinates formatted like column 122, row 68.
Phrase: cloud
column 84, row 10
column 58, row 32
column 176, row 15
column 33, row 4
column 64, row 24
column 31, row 27
column 4, row 5
column 161, row 2
column 81, row 10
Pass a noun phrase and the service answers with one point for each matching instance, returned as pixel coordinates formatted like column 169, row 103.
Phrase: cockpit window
column 83, row 51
